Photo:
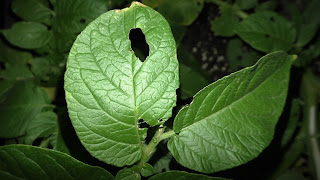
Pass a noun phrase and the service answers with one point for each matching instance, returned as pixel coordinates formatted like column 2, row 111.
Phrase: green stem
column 45, row 143
column 150, row 148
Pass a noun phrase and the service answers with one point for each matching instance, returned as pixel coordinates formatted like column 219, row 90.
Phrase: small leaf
column 226, row 23
column 232, row 120
column 147, row 170
column 127, row 174
column 163, row 164
column 32, row 10
column 72, row 16
column 267, row 31
column 23, row 103
column 180, row 12
column 108, row 89
column 16, row 73
column 44, row 124
column 240, row 56
column 181, row 175
column 29, row 162
column 58, row 143
column 28, row 35
column 13, row 56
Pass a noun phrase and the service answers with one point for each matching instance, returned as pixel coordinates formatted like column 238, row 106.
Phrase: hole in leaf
column 160, row 120
column 163, row 170
column 272, row 19
column 82, row 21
column 139, row 44
column 143, row 124
column 198, row 3
column 49, row 28
column 267, row 35
column 239, row 58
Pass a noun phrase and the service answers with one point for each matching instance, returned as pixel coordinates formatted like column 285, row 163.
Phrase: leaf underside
column 108, row 89
column 232, row 120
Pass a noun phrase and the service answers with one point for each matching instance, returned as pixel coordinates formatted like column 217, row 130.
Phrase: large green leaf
column 181, row 175
column 32, row 10
column 28, row 35
column 23, row 103
column 232, row 120
column 267, row 31
column 72, row 16
column 29, row 162
column 108, row 89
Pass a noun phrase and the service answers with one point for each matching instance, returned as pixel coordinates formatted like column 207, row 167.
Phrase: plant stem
column 45, row 143
column 150, row 148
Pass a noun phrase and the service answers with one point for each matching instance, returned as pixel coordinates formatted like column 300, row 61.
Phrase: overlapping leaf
column 232, row 120
column 267, row 31
column 181, row 175
column 29, row 162
column 108, row 89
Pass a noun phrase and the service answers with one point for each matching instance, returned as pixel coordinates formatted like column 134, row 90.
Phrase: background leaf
column 181, row 175
column 232, row 120
column 267, row 31
column 108, row 89
column 29, row 162
column 28, row 35
column 23, row 103
column 127, row 174
column 32, row 10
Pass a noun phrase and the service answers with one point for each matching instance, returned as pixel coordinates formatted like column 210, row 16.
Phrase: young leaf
column 232, row 120
column 28, row 35
column 108, row 89
column 31, row 10
column 23, row 103
column 29, row 162
column 127, row 174
column 147, row 170
column 267, row 31
column 181, row 175
column 163, row 164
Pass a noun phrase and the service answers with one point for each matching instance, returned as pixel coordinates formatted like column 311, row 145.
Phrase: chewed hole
column 267, row 35
column 160, row 120
column 139, row 44
column 143, row 124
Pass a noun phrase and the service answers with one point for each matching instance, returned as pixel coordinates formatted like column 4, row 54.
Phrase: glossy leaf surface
column 267, row 31
column 108, row 89
column 232, row 120
column 29, row 162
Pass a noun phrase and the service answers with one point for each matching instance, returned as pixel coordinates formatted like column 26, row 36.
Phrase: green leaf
column 72, row 16
column 191, row 81
column 226, row 23
column 267, row 32
column 23, row 103
column 147, row 170
column 127, row 174
column 28, row 35
column 163, row 164
column 232, row 120
column 108, row 89
column 32, row 10
column 267, row 6
column 16, row 73
column 240, row 56
column 44, row 124
column 181, row 175
column 13, row 56
column 180, row 12
column 5, row 87
column 29, row 162
column 58, row 143
column 247, row 4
